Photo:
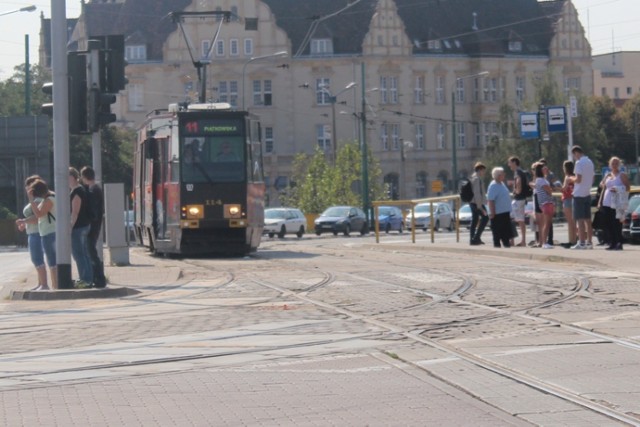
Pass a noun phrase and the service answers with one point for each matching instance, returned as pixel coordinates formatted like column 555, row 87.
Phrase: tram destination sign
column 213, row 127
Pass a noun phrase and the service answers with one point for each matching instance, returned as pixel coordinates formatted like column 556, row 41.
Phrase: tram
column 198, row 181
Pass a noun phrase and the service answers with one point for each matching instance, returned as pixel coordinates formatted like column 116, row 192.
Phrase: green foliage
column 316, row 184
column 7, row 214
column 12, row 91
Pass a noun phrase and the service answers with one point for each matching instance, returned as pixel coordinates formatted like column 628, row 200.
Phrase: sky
column 610, row 25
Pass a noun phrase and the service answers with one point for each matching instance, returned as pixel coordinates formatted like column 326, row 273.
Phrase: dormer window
column 447, row 44
column 515, row 46
column 434, row 45
column 321, row 46
column 135, row 53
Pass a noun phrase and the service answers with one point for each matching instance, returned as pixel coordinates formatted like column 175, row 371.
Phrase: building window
column 440, row 96
column 420, row 136
column 384, row 137
column 323, row 133
column 459, row 91
column 233, row 47
column 220, row 48
column 418, row 91
column 262, row 92
column 421, row 185
column 477, row 134
column 571, row 84
column 603, row 91
column 520, row 88
column 395, row 40
column 434, row 45
column 321, row 46
column 629, row 91
column 228, row 92
column 322, row 95
column 476, row 90
column 251, row 24
column 205, row 46
column 515, row 46
column 135, row 53
column 268, row 140
column 462, row 137
column 234, row 14
column 616, row 93
column 441, row 135
column 384, row 96
column 248, row 47
column 491, row 90
column 490, row 131
column 135, row 98
column 393, row 90
column 395, row 136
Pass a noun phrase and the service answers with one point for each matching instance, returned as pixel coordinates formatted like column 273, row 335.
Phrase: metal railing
column 412, row 203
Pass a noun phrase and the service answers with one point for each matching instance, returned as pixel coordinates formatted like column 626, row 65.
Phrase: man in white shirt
column 583, row 180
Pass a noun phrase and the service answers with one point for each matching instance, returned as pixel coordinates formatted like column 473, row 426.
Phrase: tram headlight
column 233, row 211
column 193, row 211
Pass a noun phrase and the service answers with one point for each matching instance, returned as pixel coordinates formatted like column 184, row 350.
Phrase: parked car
column 634, row 226
column 464, row 215
column 390, row 218
column 634, row 203
column 341, row 219
column 442, row 213
column 283, row 221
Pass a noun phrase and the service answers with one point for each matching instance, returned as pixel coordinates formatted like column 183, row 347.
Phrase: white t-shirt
column 584, row 167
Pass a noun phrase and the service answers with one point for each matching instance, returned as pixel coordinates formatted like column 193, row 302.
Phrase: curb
column 67, row 294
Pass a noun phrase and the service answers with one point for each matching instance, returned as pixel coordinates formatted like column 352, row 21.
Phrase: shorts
column 581, row 207
column 517, row 210
column 35, row 249
column 548, row 209
column 49, row 246
column 567, row 203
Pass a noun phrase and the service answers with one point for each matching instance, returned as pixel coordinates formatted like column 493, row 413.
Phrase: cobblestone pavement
column 335, row 331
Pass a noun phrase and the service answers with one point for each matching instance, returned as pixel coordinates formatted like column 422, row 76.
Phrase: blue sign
column 556, row 119
column 529, row 125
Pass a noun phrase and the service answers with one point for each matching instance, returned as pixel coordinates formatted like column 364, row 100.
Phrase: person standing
column 479, row 217
column 544, row 193
column 499, row 201
column 80, row 226
column 96, row 207
column 46, row 224
column 520, row 184
column 582, row 182
column 567, row 200
column 29, row 224
column 615, row 183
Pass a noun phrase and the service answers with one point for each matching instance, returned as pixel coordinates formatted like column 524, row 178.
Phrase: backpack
column 466, row 190
column 527, row 191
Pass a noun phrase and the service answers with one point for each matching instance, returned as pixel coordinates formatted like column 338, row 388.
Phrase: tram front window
column 213, row 160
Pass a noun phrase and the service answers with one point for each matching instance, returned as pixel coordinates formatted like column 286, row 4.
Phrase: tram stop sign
column 436, row 186
column 557, row 119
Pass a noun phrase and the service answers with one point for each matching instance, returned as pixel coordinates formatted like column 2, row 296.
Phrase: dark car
column 634, row 227
column 390, row 218
column 341, row 219
column 634, row 203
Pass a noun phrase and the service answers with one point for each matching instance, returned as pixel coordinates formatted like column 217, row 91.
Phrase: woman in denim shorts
column 46, row 224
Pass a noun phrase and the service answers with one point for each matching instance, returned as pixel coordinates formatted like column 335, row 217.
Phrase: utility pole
column 364, row 150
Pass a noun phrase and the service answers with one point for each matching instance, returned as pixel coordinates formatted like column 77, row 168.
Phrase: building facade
column 435, row 73
column 616, row 75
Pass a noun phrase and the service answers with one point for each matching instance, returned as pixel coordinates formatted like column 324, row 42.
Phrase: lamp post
column 22, row 9
column 454, row 146
column 333, row 99
column 282, row 53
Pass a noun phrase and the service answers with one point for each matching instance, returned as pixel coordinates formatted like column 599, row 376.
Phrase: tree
column 316, row 185
column 12, row 91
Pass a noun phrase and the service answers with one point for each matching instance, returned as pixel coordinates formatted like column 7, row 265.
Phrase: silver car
column 441, row 211
column 283, row 221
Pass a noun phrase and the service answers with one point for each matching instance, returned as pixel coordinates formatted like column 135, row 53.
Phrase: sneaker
column 547, row 246
column 81, row 285
column 579, row 246
column 589, row 245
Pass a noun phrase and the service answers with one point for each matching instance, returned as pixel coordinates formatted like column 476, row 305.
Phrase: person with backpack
column 521, row 191
column 479, row 217
column 80, row 226
column 96, row 210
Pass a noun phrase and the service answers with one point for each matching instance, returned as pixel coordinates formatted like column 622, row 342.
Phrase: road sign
column 529, row 125
column 556, row 119
column 436, row 186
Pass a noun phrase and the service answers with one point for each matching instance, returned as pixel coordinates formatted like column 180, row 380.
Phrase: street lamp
column 282, row 53
column 22, row 9
column 454, row 146
column 333, row 99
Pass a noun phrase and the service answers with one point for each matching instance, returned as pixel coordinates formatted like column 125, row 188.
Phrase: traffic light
column 112, row 63
column 47, row 108
column 100, row 113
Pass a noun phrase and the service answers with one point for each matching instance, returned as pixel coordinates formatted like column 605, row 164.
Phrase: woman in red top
column 567, row 200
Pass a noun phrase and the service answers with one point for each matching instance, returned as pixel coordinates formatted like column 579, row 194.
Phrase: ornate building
column 424, row 61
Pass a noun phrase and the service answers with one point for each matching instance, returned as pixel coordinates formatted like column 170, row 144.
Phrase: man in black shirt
column 96, row 205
